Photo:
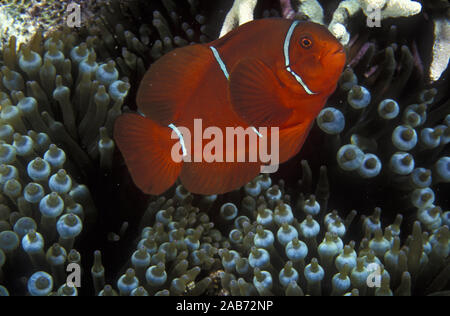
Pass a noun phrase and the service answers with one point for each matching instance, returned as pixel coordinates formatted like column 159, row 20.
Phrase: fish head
column 314, row 60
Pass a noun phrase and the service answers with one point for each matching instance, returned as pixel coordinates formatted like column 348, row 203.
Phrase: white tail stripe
column 181, row 139
column 257, row 133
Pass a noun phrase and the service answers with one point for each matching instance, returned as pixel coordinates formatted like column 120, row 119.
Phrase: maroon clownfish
column 267, row 73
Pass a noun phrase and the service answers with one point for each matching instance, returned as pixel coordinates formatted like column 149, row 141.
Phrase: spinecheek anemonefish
column 266, row 73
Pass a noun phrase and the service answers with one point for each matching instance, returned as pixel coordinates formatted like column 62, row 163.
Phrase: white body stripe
column 220, row 61
column 287, row 43
column 180, row 137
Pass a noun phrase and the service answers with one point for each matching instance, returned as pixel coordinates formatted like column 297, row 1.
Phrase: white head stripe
column 180, row 137
column 287, row 44
column 220, row 61
column 300, row 81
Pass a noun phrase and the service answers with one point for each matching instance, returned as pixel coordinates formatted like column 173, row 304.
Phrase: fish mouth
column 339, row 51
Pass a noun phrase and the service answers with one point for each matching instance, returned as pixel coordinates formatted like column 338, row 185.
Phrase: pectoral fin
column 256, row 96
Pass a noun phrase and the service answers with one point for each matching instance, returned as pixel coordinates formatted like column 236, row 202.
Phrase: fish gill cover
column 368, row 193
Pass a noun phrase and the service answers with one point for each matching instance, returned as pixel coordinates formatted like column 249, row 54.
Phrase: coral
column 311, row 9
column 240, row 13
column 41, row 205
column 391, row 8
column 387, row 9
column 341, row 17
column 376, row 131
column 176, row 253
column 23, row 18
column 58, row 104
column 389, row 135
column 346, row 22
column 136, row 33
column 441, row 47
column 279, row 244
column 279, row 247
column 59, row 88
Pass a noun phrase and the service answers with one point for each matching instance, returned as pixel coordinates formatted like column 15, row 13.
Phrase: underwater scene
column 224, row 148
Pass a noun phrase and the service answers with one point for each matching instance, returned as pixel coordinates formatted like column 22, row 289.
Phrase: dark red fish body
column 267, row 73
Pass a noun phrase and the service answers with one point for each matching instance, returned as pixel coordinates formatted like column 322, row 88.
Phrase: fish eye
column 306, row 42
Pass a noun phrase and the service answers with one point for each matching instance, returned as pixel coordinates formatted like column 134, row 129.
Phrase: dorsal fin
column 170, row 81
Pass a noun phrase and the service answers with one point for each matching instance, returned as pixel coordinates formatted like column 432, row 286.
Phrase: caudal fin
column 146, row 148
